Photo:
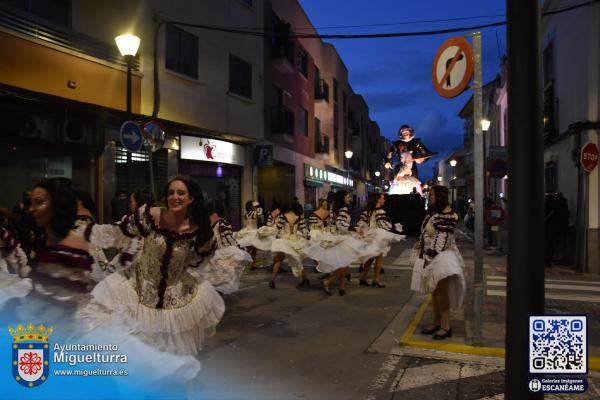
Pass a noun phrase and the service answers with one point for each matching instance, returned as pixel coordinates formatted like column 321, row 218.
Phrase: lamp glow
column 485, row 125
column 439, row 178
column 377, row 173
column 128, row 44
column 453, row 163
column 348, row 154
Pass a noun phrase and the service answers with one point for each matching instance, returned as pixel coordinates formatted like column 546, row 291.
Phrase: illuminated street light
column 485, row 125
column 377, row 173
column 440, row 179
column 348, row 154
column 128, row 44
column 453, row 163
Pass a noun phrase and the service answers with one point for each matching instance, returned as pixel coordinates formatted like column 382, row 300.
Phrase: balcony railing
column 48, row 32
column 282, row 121
column 321, row 90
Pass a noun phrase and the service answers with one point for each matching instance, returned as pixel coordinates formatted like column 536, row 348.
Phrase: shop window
column 240, row 76
column 140, row 175
column 181, row 52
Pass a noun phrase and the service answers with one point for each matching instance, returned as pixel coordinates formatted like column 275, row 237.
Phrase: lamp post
column 348, row 154
column 453, row 165
column 128, row 46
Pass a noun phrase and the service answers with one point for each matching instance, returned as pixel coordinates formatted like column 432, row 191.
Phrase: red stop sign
column 589, row 156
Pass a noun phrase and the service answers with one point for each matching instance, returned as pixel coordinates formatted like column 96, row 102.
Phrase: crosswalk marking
column 556, row 289
column 554, row 296
column 503, row 278
column 555, row 286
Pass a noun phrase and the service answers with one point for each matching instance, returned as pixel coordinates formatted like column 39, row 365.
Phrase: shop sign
column 211, row 150
column 321, row 175
column 264, row 155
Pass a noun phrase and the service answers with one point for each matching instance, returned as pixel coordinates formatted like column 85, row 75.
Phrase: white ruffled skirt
column 246, row 237
column 224, row 269
column 180, row 330
column 448, row 263
column 333, row 252
column 12, row 285
column 377, row 242
column 294, row 252
column 405, row 185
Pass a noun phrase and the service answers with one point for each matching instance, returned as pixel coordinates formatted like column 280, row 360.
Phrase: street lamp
column 348, row 154
column 128, row 46
column 377, row 173
column 440, row 179
column 453, row 165
column 485, row 125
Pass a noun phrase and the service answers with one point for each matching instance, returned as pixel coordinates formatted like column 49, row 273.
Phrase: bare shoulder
column 75, row 241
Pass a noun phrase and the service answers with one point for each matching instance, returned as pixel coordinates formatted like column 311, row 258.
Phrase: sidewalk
column 494, row 310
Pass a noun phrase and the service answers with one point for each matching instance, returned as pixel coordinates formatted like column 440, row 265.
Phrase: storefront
column 217, row 166
column 318, row 182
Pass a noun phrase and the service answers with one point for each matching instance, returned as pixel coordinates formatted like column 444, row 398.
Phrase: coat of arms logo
column 30, row 354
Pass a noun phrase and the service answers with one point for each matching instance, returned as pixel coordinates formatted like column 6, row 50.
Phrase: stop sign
column 589, row 156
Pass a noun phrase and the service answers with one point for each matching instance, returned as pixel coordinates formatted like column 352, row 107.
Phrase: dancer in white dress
column 168, row 307
column 247, row 237
column 14, row 267
column 439, row 267
column 377, row 233
column 331, row 250
column 292, row 239
column 225, row 267
column 267, row 233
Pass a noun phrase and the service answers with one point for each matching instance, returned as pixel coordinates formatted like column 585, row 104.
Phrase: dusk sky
column 394, row 74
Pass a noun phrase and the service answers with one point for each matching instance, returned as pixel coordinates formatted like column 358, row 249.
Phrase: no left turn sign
column 452, row 67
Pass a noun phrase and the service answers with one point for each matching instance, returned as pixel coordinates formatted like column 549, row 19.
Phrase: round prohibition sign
column 452, row 67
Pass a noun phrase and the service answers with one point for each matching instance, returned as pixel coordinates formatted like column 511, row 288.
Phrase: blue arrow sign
column 131, row 136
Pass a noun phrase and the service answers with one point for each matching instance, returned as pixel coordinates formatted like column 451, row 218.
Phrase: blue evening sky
column 394, row 75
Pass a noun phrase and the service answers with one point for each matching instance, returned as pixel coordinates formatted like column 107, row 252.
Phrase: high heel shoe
column 377, row 285
column 305, row 282
column 272, row 284
column 327, row 290
column 342, row 292
column 447, row 333
column 363, row 282
column 429, row 331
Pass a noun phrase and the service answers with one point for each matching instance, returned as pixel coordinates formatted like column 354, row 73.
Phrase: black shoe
column 305, row 282
column 446, row 334
column 382, row 271
column 327, row 290
column 377, row 285
column 429, row 331
column 363, row 282
column 348, row 277
column 342, row 292
column 272, row 284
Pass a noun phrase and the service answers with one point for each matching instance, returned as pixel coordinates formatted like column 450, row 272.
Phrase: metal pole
column 478, row 152
column 129, row 158
column 525, row 272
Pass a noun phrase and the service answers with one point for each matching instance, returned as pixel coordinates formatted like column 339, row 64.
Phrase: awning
column 312, row 183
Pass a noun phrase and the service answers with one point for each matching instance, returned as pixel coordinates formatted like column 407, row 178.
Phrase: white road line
column 425, row 375
column 388, row 366
column 555, row 286
column 555, row 296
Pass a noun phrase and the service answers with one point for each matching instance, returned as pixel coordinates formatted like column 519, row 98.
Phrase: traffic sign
column 452, row 67
column 131, row 136
column 589, row 156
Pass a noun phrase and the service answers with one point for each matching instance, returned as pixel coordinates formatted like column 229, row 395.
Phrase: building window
column 181, row 52
column 303, row 62
column 56, row 11
column 317, row 135
column 335, row 90
column 336, row 124
column 303, row 121
column 240, row 76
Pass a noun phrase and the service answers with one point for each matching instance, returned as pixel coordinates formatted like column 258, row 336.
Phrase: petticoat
column 12, row 285
column 448, row 263
column 294, row 250
column 180, row 330
column 224, row 269
column 246, row 237
column 333, row 252
column 376, row 242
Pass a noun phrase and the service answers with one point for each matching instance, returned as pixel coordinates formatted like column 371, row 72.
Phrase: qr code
column 558, row 344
